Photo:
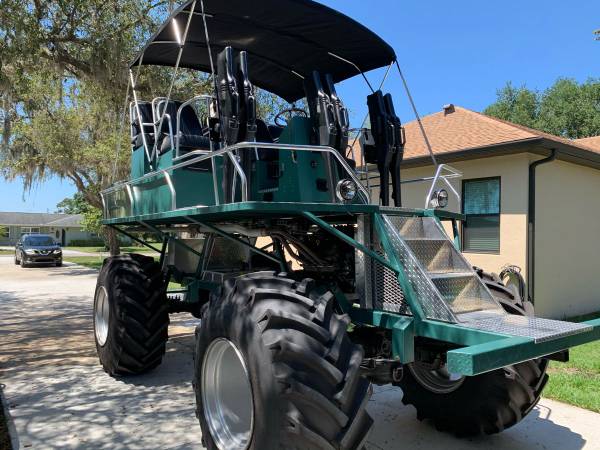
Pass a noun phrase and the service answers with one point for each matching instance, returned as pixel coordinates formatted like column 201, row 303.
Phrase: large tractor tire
column 131, row 317
column 483, row 404
column 275, row 369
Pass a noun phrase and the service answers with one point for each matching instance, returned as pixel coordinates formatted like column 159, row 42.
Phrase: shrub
column 92, row 242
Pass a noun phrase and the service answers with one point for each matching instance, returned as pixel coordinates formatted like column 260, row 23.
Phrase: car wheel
column 22, row 261
column 16, row 259
column 59, row 263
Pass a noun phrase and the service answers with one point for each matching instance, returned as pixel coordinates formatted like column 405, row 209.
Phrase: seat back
column 229, row 99
column 189, row 124
column 321, row 111
column 379, row 129
column 248, row 100
column 342, row 120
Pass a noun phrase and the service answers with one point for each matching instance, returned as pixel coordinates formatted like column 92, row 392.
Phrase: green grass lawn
column 93, row 262
column 578, row 381
column 7, row 252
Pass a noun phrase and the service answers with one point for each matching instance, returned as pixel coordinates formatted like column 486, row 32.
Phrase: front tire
column 131, row 317
column 290, row 376
column 484, row 404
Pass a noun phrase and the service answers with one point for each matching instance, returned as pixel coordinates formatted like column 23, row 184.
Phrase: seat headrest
column 248, row 99
column 229, row 102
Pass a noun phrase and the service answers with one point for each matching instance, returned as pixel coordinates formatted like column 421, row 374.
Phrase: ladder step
column 438, row 275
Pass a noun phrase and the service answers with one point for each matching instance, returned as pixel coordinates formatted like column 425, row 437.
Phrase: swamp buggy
column 307, row 291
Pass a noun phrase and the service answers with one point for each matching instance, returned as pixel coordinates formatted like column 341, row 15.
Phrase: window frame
column 39, row 230
column 499, row 215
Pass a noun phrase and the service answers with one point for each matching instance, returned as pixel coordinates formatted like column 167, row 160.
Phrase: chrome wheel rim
column 438, row 380
column 101, row 315
column 227, row 396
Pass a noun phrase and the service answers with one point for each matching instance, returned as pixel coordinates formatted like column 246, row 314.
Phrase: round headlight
column 346, row 190
column 439, row 199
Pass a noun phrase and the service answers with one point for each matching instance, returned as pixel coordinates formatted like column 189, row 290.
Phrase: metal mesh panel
column 377, row 285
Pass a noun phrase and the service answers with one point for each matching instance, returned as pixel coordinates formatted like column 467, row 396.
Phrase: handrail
column 209, row 98
column 229, row 151
column 438, row 174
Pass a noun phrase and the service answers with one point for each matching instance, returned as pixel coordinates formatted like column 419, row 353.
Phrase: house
column 63, row 227
column 531, row 199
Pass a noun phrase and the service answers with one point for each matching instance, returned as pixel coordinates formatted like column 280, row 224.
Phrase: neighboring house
column 63, row 227
column 530, row 198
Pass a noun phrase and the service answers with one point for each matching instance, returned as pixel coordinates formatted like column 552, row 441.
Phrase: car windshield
column 38, row 240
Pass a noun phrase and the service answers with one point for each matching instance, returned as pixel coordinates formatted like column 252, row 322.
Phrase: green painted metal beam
column 233, row 211
column 477, row 359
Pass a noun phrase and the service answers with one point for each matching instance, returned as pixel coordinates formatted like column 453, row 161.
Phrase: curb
column 12, row 431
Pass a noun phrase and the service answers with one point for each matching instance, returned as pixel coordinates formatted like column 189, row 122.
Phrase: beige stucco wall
column 513, row 173
column 567, row 263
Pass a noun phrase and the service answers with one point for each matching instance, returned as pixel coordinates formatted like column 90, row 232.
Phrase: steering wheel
column 281, row 121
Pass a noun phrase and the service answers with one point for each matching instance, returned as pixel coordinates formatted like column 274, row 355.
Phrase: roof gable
column 460, row 130
column 39, row 219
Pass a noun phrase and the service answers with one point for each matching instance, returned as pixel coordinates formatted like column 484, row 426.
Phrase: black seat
column 275, row 131
column 229, row 98
column 389, row 139
column 146, row 115
column 321, row 111
column 191, row 135
column 247, row 100
column 342, row 121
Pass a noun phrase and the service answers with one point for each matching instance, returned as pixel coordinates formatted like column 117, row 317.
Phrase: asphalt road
column 59, row 397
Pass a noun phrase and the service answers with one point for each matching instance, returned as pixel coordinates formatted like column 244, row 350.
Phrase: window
column 30, row 230
column 481, row 205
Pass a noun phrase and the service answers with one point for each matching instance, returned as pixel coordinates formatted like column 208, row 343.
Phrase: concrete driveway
column 60, row 398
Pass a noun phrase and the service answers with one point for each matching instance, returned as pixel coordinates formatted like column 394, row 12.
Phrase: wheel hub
column 227, row 396
column 437, row 380
column 101, row 315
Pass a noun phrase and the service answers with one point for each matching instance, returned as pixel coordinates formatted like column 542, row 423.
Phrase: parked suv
column 37, row 249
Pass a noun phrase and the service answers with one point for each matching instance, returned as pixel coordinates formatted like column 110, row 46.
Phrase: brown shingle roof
column 463, row 130
column 459, row 130
column 590, row 142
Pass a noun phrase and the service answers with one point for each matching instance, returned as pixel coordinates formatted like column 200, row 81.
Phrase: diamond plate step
column 438, row 255
column 540, row 330
column 416, row 228
column 464, row 293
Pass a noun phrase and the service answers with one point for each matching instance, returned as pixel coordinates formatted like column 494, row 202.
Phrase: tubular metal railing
column 198, row 156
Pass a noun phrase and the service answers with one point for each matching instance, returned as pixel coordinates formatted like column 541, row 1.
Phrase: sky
column 457, row 52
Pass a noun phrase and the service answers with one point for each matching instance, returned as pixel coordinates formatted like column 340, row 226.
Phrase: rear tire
column 487, row 403
column 131, row 317
column 302, row 369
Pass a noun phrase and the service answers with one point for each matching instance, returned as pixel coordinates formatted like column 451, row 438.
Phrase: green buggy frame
column 307, row 291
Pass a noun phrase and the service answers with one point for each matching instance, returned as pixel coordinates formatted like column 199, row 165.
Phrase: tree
column 597, row 33
column 73, row 205
column 567, row 109
column 63, row 76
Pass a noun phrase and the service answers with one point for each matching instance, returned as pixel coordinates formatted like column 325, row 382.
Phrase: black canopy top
column 285, row 40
